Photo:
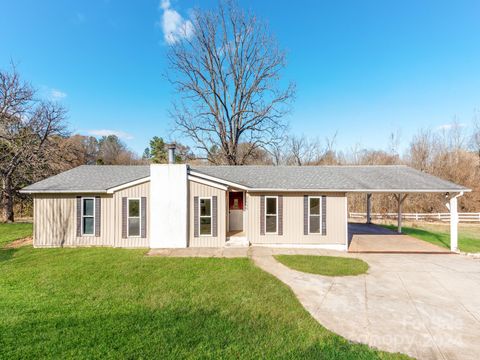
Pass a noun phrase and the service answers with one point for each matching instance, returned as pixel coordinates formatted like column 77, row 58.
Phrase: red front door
column 235, row 201
column 235, row 206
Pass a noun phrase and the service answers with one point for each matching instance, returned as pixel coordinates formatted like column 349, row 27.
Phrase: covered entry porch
column 236, row 218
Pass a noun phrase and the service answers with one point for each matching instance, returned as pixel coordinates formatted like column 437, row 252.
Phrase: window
column 88, row 216
column 314, row 215
column 133, row 217
column 205, row 216
column 271, row 214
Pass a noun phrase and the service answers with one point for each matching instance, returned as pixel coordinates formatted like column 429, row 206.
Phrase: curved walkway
column 426, row 306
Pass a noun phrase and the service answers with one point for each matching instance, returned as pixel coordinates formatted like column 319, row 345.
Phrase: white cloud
column 174, row 26
column 451, row 126
column 105, row 132
column 56, row 94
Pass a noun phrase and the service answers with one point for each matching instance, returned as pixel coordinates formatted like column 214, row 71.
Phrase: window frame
column 83, row 198
column 200, row 216
column 276, row 214
column 134, row 217
column 319, row 215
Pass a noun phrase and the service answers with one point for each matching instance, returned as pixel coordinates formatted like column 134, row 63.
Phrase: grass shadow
column 424, row 234
column 7, row 254
column 440, row 239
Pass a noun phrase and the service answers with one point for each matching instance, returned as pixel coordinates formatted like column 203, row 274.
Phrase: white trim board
column 128, row 184
column 207, row 182
column 219, row 180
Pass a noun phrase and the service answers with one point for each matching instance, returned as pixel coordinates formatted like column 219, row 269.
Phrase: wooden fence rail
column 462, row 217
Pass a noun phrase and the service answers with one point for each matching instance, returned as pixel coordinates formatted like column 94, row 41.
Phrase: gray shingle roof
column 99, row 178
column 331, row 178
column 90, row 178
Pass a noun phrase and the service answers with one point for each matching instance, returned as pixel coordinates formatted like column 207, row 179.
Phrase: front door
column 235, row 207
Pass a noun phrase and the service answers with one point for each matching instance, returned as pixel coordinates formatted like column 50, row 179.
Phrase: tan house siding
column 137, row 191
column 293, row 232
column 55, row 220
column 197, row 189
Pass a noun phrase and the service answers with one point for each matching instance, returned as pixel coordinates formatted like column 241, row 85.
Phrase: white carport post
column 400, row 198
column 452, row 206
column 369, row 208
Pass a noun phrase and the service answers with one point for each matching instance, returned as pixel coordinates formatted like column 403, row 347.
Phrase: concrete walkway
column 223, row 252
column 426, row 306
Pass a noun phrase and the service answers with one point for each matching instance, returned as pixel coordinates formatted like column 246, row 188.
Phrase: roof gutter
column 411, row 191
column 25, row 191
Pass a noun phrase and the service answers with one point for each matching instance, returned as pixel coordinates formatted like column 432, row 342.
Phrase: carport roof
column 369, row 178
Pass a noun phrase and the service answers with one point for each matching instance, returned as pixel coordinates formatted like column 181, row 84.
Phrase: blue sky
column 363, row 69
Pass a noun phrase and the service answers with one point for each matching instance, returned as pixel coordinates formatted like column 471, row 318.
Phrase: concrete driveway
column 370, row 238
column 426, row 306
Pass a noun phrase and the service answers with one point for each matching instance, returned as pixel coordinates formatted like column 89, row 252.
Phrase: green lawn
column 115, row 303
column 10, row 232
column 468, row 240
column 324, row 265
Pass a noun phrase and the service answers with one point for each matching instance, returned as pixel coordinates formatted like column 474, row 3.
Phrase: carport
column 371, row 238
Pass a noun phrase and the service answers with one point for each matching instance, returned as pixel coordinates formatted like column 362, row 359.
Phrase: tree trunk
column 8, row 200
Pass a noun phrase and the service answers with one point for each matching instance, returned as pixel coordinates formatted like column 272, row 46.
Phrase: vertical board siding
column 137, row 191
column 294, row 220
column 200, row 190
column 55, row 220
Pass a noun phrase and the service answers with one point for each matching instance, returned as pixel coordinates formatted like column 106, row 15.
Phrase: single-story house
column 177, row 205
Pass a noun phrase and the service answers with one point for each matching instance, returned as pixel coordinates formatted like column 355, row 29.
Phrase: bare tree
column 299, row 150
column 394, row 141
column 329, row 155
column 29, row 132
column 422, row 149
column 276, row 152
column 226, row 72
column 476, row 134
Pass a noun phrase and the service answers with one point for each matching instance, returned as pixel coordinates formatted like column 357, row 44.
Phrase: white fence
column 463, row 217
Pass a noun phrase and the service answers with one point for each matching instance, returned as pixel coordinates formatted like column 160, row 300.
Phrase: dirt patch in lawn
column 19, row 243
